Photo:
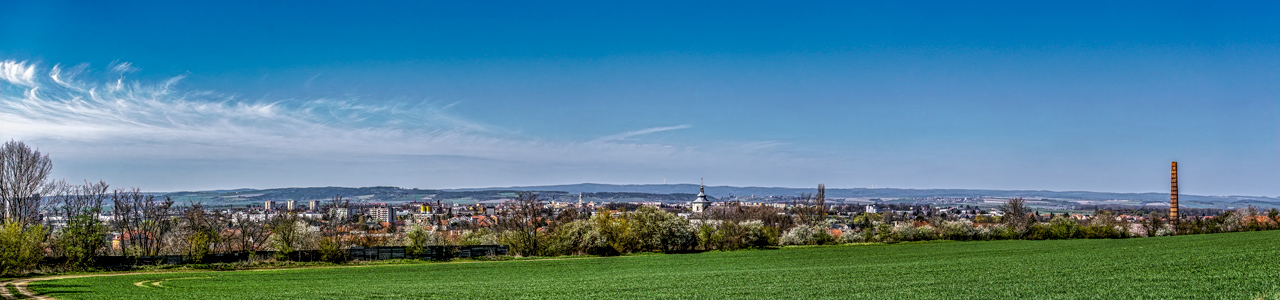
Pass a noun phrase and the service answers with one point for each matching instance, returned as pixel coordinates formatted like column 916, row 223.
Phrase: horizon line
column 709, row 186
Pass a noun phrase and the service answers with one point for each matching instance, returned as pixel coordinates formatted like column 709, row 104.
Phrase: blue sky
column 1002, row 95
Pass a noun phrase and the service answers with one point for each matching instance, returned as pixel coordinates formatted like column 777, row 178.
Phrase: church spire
column 701, row 203
column 702, row 188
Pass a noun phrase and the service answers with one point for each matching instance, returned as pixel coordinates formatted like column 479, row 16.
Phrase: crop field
column 1218, row 266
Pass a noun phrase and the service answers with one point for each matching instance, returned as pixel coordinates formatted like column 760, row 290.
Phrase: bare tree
column 811, row 209
column 144, row 221
column 333, row 230
column 199, row 231
column 80, row 240
column 1152, row 223
column 247, row 233
column 23, row 175
column 520, row 225
column 288, row 234
column 567, row 215
column 69, row 200
column 338, row 213
column 1016, row 214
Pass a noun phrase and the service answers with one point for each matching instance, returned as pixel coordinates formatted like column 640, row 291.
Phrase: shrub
column 81, row 240
column 807, row 235
column 708, row 237
column 770, row 235
column 1064, row 228
column 656, row 230
column 799, row 235
column 823, row 237
column 1244, row 219
column 992, row 232
column 1164, row 230
column 1102, row 232
column 419, row 238
column 616, row 231
column 757, row 235
column 960, row 230
column 907, row 232
column 646, row 229
column 880, row 232
column 331, row 251
column 482, row 236
column 533, row 242
column 21, row 249
column 727, row 235
column 1105, row 225
column 288, row 235
column 901, row 232
column 854, row 237
column 197, row 245
column 580, row 237
column 1038, row 231
column 926, row 233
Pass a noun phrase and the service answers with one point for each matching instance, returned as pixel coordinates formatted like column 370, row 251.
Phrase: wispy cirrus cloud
column 115, row 119
column 634, row 133
column 122, row 67
column 61, row 106
column 18, row 73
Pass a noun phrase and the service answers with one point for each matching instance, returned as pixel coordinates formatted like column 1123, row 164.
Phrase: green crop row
column 1242, row 265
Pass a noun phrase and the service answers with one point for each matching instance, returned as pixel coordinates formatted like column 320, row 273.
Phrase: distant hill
column 680, row 192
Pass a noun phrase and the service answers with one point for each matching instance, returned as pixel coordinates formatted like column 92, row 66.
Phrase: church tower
column 702, row 203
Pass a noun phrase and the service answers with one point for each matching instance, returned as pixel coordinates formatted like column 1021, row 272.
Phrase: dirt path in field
column 21, row 284
column 4, row 291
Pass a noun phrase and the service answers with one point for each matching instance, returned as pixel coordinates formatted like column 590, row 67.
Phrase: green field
column 1218, row 266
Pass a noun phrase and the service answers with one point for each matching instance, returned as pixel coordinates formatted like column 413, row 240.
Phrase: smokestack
column 1173, row 195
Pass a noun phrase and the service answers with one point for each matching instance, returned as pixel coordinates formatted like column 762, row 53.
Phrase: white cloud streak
column 122, row 67
column 18, row 73
column 634, row 133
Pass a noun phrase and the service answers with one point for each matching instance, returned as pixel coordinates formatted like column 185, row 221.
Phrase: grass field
column 1218, row 266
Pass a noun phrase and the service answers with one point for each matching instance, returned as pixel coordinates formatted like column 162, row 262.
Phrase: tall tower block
column 1173, row 194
